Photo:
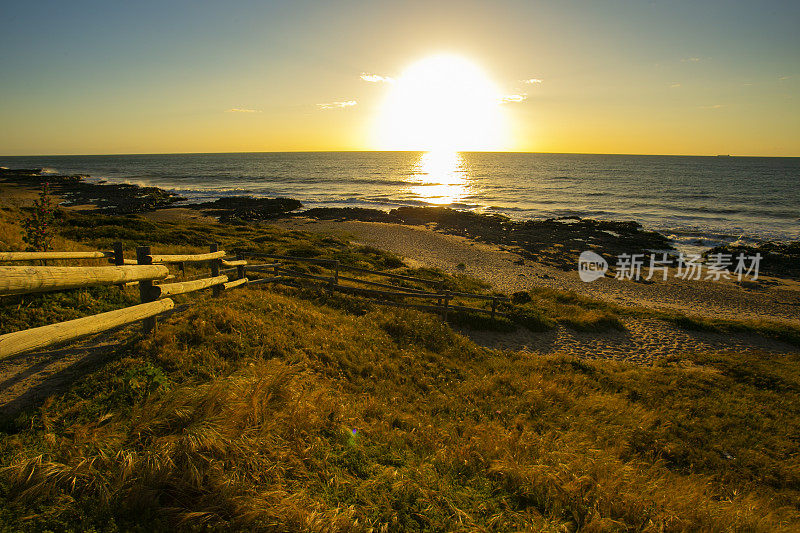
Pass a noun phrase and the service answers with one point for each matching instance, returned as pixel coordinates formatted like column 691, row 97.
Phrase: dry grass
column 241, row 414
column 283, row 410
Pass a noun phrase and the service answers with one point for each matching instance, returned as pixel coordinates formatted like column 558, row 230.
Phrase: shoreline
column 554, row 242
column 694, row 223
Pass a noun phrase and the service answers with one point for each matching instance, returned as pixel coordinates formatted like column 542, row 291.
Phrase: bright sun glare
column 442, row 103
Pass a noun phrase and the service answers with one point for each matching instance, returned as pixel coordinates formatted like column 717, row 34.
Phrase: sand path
column 766, row 298
column 642, row 340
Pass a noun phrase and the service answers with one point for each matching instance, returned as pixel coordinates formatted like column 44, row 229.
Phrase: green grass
column 32, row 310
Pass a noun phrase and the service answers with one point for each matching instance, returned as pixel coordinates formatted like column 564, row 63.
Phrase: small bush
column 38, row 227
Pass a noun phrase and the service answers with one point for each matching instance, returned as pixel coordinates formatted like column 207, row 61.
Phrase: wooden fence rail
column 378, row 284
column 41, row 337
column 443, row 298
column 172, row 289
column 292, row 258
column 37, row 256
column 235, row 283
column 433, row 282
column 28, row 279
column 16, row 280
column 186, row 258
column 295, row 273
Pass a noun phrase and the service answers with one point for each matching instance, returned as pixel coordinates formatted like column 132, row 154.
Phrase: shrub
column 38, row 227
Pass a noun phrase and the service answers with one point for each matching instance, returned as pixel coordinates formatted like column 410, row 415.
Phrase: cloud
column 781, row 78
column 675, row 85
column 691, row 59
column 242, row 110
column 715, row 106
column 531, row 81
column 513, row 98
column 337, row 105
column 376, row 78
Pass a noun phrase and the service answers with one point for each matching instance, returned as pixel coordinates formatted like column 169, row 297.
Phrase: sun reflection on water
column 442, row 178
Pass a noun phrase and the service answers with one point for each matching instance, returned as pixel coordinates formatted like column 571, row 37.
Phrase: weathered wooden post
column 335, row 278
column 494, row 307
column 240, row 269
column 119, row 258
column 215, row 263
column 146, row 287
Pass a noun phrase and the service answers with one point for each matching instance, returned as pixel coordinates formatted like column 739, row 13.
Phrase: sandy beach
column 644, row 340
column 508, row 272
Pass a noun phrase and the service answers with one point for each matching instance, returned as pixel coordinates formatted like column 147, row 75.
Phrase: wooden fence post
column 119, row 258
column 494, row 307
column 146, row 287
column 215, row 263
column 240, row 269
column 335, row 278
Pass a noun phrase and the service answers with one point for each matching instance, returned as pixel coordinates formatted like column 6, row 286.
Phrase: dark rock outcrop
column 113, row 199
column 248, row 208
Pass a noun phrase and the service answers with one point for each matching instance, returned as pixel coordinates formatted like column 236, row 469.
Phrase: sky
column 661, row 77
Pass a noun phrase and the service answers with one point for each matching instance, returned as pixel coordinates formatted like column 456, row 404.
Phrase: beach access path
column 643, row 339
column 767, row 298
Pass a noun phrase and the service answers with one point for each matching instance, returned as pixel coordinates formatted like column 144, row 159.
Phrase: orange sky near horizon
column 534, row 77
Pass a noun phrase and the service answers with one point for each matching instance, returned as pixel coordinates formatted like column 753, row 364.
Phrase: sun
column 442, row 103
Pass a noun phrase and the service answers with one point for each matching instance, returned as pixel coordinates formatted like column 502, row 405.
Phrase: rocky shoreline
column 556, row 242
column 106, row 198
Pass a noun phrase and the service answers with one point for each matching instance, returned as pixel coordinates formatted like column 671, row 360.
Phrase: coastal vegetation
column 286, row 409
column 265, row 409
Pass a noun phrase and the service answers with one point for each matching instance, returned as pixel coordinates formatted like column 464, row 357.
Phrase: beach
column 511, row 269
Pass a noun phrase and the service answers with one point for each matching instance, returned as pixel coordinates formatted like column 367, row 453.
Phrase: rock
column 115, row 199
column 521, row 297
column 245, row 208
column 349, row 213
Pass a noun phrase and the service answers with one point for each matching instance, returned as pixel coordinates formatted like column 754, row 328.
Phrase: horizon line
column 391, row 151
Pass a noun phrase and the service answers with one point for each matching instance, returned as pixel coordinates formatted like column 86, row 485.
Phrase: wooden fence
column 146, row 270
column 150, row 270
column 398, row 295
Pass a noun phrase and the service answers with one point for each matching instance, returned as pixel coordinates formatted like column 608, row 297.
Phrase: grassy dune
column 283, row 409
column 262, row 409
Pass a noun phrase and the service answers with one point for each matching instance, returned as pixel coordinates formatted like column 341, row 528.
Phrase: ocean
column 697, row 201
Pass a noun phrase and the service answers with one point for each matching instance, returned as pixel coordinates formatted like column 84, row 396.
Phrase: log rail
column 17, row 280
column 149, row 268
